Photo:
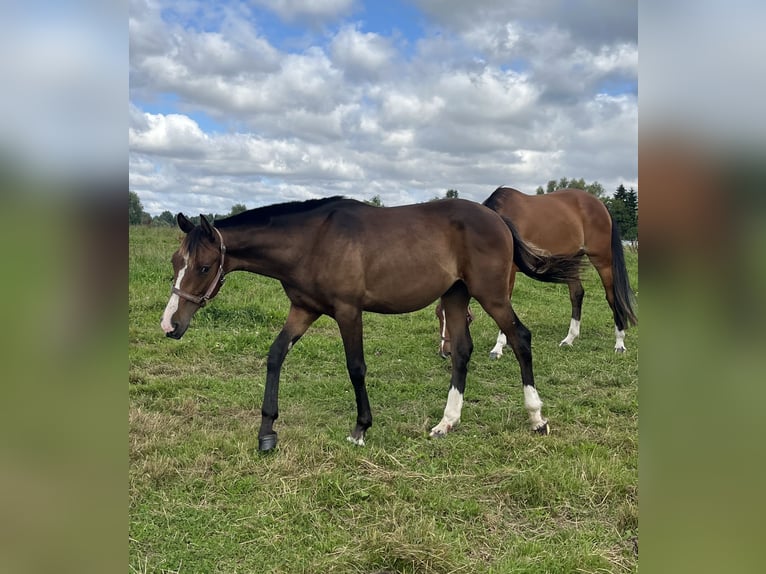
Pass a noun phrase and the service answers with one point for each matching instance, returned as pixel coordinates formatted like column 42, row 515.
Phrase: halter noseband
column 218, row 280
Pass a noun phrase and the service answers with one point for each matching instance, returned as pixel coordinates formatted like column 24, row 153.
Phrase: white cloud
column 481, row 99
column 307, row 10
column 362, row 56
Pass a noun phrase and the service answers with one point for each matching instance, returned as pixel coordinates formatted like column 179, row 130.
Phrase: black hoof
column 543, row 430
column 267, row 442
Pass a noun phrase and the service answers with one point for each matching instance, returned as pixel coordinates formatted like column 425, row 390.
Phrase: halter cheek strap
column 218, row 280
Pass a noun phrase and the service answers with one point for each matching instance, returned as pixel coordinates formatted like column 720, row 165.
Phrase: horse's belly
column 406, row 292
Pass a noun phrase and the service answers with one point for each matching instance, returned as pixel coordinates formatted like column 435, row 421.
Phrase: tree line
column 623, row 205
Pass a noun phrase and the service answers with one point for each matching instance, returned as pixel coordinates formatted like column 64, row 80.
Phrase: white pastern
column 619, row 345
column 356, row 441
column 497, row 350
column 172, row 305
column 451, row 413
column 533, row 404
column 574, row 332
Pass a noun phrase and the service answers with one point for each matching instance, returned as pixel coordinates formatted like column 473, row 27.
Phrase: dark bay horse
column 340, row 257
column 565, row 222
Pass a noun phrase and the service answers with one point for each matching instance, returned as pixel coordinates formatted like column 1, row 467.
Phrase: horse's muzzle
column 176, row 333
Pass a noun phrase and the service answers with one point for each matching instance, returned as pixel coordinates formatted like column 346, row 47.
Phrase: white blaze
column 172, row 305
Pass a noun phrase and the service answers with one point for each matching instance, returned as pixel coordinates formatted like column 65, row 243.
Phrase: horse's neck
column 265, row 250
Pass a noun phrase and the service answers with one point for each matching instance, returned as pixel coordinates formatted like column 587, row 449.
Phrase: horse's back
column 402, row 258
column 561, row 222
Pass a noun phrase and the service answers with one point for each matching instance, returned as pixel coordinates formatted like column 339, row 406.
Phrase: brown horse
column 340, row 257
column 566, row 222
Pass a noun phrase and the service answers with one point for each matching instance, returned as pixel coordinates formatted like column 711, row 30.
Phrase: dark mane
column 492, row 201
column 262, row 215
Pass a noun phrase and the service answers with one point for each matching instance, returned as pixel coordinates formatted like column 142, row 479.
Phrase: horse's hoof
column 544, row 430
column 494, row 355
column 444, row 355
column 267, row 442
column 437, row 434
column 356, row 441
column 619, row 349
column 565, row 343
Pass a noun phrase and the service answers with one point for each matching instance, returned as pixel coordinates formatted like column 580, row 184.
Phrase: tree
column 136, row 213
column 551, row 186
column 624, row 209
column 452, row 194
column 375, row 200
column 596, row 189
column 540, row 190
column 237, row 208
column 164, row 219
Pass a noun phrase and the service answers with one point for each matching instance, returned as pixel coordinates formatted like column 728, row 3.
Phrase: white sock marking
column 451, row 413
column 533, row 404
column 172, row 305
column 619, row 344
column 574, row 332
column 497, row 350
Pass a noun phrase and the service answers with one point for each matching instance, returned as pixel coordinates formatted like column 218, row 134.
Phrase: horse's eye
column 204, row 269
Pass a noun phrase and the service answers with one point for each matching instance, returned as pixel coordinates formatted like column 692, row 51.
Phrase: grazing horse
column 565, row 222
column 340, row 257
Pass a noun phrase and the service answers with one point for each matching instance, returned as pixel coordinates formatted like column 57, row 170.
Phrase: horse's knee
column 357, row 370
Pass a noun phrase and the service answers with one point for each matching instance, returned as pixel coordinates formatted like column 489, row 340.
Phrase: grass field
column 490, row 497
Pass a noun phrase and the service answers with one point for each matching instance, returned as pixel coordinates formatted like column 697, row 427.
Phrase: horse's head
column 197, row 274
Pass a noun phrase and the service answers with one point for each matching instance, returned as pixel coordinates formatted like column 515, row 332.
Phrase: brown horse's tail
column 624, row 299
column 541, row 265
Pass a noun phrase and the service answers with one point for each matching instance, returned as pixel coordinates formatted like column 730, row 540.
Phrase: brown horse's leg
column 576, row 294
column 350, row 323
column 502, row 341
column 455, row 304
column 445, row 347
column 520, row 340
column 298, row 320
column 604, row 267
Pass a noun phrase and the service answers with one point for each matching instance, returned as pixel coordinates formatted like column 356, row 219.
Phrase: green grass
column 490, row 497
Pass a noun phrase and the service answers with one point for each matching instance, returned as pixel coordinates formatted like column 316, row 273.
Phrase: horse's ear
column 205, row 224
column 185, row 225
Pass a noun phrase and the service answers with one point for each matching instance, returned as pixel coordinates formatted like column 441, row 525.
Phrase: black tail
column 624, row 299
column 543, row 266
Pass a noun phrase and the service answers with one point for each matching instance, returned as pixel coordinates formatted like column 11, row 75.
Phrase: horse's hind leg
column 520, row 340
column 604, row 267
column 502, row 341
column 455, row 305
column 350, row 323
column 576, row 294
column 298, row 320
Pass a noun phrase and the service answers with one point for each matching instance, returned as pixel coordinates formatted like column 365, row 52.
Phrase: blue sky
column 260, row 102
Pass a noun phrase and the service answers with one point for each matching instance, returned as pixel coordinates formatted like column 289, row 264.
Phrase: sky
column 264, row 101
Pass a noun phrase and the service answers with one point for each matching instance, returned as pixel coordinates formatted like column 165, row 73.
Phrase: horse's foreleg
column 298, row 320
column 576, row 294
column 350, row 324
column 456, row 308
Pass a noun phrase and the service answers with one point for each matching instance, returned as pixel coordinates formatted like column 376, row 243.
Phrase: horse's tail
column 541, row 265
column 624, row 299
